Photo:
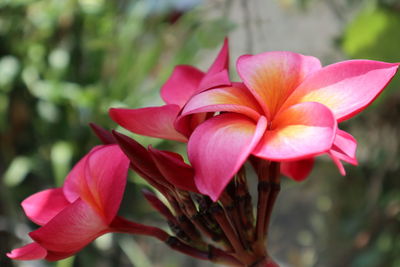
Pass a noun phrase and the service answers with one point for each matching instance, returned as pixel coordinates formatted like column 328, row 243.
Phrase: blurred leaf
column 134, row 252
column 212, row 34
column 9, row 67
column 17, row 171
column 61, row 155
column 68, row 262
column 374, row 34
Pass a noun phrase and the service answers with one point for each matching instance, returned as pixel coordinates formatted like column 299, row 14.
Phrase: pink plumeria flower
column 184, row 82
column 287, row 110
column 83, row 209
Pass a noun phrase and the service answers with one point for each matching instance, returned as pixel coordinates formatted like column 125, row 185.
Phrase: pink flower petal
column 298, row 170
column 174, row 169
column 234, row 99
column 273, row 76
column 43, row 206
column 72, row 229
column 345, row 87
column 152, row 121
column 181, row 85
column 75, row 184
column 218, row 74
column 214, row 80
column 219, row 147
column 222, row 61
column 188, row 123
column 299, row 132
column 343, row 148
column 186, row 80
column 99, row 178
column 106, row 175
column 32, row 251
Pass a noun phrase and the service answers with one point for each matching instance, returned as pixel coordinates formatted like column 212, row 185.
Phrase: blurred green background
column 63, row 63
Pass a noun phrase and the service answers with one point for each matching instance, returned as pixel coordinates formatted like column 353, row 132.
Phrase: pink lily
column 286, row 111
column 77, row 213
column 184, row 82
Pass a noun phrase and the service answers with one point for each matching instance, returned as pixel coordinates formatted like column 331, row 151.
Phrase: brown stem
column 243, row 204
column 263, row 195
column 268, row 189
column 204, row 206
column 190, row 210
column 231, row 233
column 233, row 215
column 275, row 187
column 123, row 225
column 183, row 221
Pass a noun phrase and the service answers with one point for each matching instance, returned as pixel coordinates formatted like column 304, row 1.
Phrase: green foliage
column 63, row 64
column 374, row 34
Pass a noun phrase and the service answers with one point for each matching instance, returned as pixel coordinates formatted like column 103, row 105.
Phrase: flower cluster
column 284, row 112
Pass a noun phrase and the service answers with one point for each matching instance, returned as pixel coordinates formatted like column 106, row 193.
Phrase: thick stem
column 263, row 195
column 122, row 225
column 268, row 189
column 233, row 215
column 231, row 234
column 273, row 194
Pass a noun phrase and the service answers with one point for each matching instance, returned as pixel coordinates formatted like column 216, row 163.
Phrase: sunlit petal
column 234, row 99
column 273, row 76
column 346, row 87
column 302, row 131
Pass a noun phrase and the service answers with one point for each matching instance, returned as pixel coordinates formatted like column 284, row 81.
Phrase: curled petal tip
column 105, row 136
column 32, row 251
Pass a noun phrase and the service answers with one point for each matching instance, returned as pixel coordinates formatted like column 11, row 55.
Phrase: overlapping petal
column 214, row 80
column 343, row 148
column 99, row 178
column 72, row 229
column 43, row 206
column 297, row 133
column 218, row 148
column 153, row 121
column 236, row 99
column 75, row 184
column 106, row 171
column 80, row 211
column 273, row 76
column 181, row 85
column 346, row 87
